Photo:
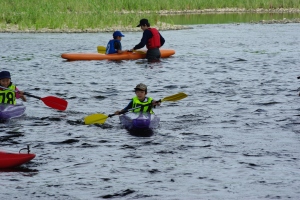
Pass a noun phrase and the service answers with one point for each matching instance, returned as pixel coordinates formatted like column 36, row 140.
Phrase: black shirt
column 117, row 45
column 146, row 36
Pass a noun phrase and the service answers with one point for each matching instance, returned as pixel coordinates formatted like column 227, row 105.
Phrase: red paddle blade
column 55, row 102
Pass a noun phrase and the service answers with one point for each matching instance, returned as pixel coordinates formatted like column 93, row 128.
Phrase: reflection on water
column 21, row 170
column 224, row 18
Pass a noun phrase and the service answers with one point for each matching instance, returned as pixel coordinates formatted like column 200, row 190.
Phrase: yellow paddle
column 99, row 118
column 102, row 49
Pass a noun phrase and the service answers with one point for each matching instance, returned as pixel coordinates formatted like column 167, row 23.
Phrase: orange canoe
column 140, row 54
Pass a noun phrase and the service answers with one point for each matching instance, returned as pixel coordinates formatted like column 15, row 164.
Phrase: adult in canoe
column 152, row 39
column 114, row 45
column 9, row 96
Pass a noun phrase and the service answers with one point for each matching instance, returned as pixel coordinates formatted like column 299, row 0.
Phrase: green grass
column 93, row 14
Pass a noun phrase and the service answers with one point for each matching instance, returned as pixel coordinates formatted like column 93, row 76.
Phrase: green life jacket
column 8, row 96
column 145, row 106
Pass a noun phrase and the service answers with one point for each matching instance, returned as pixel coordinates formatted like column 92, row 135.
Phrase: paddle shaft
column 51, row 101
column 101, row 118
column 31, row 95
column 175, row 97
column 25, row 93
column 102, row 49
column 125, row 111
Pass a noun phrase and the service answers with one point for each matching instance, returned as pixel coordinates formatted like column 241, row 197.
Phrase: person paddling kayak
column 141, row 102
column 152, row 39
column 9, row 96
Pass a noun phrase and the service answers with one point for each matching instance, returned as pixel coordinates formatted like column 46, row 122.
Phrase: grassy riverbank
column 108, row 15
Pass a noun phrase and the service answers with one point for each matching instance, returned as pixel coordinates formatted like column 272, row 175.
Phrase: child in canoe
column 7, row 89
column 114, row 45
column 144, row 103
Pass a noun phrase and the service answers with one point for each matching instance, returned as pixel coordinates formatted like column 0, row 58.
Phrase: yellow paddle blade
column 97, row 118
column 175, row 97
column 101, row 49
column 141, row 52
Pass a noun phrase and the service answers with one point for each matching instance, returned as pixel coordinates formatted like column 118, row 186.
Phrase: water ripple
column 236, row 136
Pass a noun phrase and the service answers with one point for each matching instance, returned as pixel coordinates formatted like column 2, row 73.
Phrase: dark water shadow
column 25, row 171
column 141, row 132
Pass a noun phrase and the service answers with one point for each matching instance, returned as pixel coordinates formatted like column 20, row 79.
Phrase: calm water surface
column 236, row 136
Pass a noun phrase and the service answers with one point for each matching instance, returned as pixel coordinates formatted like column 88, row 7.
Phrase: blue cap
column 118, row 33
column 4, row 74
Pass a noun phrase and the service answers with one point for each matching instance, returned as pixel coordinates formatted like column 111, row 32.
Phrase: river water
column 236, row 136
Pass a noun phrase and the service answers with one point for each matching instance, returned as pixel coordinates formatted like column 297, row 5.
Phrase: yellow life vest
column 145, row 106
column 8, row 96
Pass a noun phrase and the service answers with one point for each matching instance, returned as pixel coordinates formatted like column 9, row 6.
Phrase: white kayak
column 9, row 111
column 133, row 121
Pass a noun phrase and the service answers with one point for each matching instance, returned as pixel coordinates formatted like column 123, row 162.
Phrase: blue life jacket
column 110, row 48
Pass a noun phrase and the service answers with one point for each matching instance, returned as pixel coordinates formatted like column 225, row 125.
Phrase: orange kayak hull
column 140, row 54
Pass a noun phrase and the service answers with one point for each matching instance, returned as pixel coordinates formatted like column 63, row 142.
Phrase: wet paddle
column 99, row 118
column 175, row 97
column 102, row 49
column 51, row 101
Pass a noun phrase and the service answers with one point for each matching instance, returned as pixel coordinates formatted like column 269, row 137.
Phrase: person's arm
column 128, row 106
column 125, row 109
column 155, row 103
column 146, row 35
column 20, row 94
column 117, row 47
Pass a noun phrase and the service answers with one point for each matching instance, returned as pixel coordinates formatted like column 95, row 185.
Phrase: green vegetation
column 99, row 14
column 225, row 18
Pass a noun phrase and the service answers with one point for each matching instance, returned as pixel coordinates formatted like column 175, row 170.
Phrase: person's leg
column 153, row 55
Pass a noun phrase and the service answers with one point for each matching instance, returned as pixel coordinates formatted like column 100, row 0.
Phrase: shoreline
column 161, row 25
column 216, row 11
